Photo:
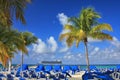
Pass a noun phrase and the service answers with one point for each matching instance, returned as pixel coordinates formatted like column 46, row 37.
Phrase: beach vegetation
column 84, row 26
column 11, row 10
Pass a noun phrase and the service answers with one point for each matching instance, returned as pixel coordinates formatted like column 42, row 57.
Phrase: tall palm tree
column 10, row 9
column 11, row 41
column 29, row 39
column 84, row 26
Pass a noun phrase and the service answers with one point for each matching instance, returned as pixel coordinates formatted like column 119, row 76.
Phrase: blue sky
column 45, row 19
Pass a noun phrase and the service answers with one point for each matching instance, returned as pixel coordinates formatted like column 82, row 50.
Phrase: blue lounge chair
column 74, row 68
column 22, row 68
column 92, row 67
column 118, row 68
column 65, row 72
column 66, row 68
column 48, row 68
column 57, row 68
column 39, row 68
column 2, row 76
column 10, row 77
column 21, row 78
column 87, row 76
column 25, row 74
column 97, row 75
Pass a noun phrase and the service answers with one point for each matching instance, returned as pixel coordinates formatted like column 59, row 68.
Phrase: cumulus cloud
column 115, row 42
column 42, row 47
column 97, row 55
column 52, row 44
column 108, row 55
column 62, row 18
column 51, row 50
column 64, row 47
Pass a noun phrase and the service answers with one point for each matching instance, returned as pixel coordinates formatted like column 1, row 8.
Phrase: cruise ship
column 51, row 62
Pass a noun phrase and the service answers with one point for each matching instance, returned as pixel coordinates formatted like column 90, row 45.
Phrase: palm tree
column 29, row 39
column 84, row 26
column 10, row 9
column 11, row 41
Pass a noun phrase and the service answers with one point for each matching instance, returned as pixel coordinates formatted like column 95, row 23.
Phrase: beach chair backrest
column 74, row 68
column 118, row 67
column 48, row 68
column 23, row 67
column 40, row 67
column 92, row 67
column 66, row 68
column 57, row 67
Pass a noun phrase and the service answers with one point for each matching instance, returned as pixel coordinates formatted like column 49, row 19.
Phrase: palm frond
column 29, row 38
column 28, row 1
column 69, row 27
column 88, row 17
column 101, row 27
column 70, row 40
column 75, row 21
column 101, row 36
column 11, row 9
column 4, row 53
column 62, row 36
column 77, row 42
column 80, row 35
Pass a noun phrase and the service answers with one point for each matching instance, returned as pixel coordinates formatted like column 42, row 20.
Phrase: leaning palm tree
column 10, row 9
column 15, row 44
column 84, row 26
column 29, row 39
column 11, row 42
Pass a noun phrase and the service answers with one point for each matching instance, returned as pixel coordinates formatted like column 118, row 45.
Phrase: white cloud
column 97, row 55
column 115, row 42
column 96, row 49
column 42, row 47
column 93, row 40
column 62, row 18
column 52, row 44
column 50, row 50
column 64, row 47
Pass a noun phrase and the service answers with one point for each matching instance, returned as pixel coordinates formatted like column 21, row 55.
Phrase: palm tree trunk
column 22, row 64
column 87, row 58
column 9, row 67
column 22, row 59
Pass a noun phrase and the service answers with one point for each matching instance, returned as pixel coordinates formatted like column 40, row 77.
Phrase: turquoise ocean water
column 100, row 66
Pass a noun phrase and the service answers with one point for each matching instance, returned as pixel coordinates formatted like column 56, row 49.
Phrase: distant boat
column 51, row 62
